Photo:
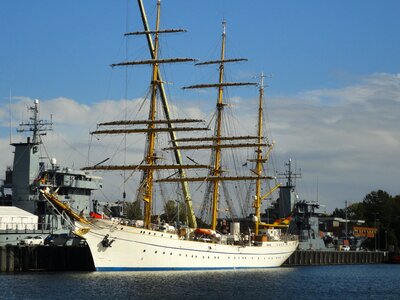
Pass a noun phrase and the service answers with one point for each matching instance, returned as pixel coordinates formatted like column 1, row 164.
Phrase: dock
column 45, row 258
column 70, row 258
column 314, row 258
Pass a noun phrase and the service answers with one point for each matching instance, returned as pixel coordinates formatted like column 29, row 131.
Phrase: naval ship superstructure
column 29, row 174
column 301, row 215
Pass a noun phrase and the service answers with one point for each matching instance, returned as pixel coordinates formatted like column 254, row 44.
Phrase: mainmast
column 215, row 176
column 220, row 107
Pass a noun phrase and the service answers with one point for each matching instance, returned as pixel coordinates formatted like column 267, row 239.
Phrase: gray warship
column 24, row 213
column 315, row 230
column 301, row 215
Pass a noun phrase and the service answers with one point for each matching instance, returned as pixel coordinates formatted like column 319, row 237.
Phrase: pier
column 45, row 258
column 312, row 258
column 70, row 258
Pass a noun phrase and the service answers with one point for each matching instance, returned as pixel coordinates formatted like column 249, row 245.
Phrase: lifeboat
column 95, row 215
column 204, row 231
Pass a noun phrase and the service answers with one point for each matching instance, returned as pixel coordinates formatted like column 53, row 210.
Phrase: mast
column 216, row 171
column 220, row 107
column 148, row 193
column 257, row 204
column 153, row 126
column 35, row 125
column 177, row 154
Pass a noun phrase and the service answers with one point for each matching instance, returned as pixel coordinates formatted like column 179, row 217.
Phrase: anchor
column 106, row 242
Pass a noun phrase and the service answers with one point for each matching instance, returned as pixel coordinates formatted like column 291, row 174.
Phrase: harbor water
column 378, row 281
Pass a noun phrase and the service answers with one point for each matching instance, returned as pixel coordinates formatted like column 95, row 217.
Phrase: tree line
column 380, row 210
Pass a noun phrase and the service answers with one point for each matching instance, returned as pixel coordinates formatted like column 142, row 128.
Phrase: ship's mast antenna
column 35, row 125
column 289, row 174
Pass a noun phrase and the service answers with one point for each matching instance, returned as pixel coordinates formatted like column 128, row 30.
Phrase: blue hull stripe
column 118, row 269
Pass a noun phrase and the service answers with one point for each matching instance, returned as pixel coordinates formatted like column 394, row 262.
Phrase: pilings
column 69, row 258
column 45, row 258
column 310, row 257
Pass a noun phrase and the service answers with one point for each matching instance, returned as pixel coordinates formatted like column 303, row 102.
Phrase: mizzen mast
column 259, row 160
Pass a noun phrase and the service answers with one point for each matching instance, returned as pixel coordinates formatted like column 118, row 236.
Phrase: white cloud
column 347, row 137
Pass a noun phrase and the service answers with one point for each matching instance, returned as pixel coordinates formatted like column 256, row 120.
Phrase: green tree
column 133, row 210
column 171, row 212
column 379, row 208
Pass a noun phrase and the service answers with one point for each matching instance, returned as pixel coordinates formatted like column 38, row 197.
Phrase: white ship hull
column 138, row 249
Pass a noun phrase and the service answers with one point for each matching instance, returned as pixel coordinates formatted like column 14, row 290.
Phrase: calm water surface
column 318, row 282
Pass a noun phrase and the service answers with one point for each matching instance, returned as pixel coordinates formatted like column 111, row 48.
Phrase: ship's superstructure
column 30, row 173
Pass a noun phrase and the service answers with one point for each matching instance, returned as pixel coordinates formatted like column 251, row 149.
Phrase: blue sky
column 53, row 48
column 332, row 63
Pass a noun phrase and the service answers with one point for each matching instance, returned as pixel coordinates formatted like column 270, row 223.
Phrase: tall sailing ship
column 117, row 246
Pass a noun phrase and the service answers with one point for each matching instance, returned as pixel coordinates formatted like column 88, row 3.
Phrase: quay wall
column 45, row 258
column 70, row 258
column 312, row 258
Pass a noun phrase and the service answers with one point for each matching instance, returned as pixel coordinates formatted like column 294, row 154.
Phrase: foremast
column 177, row 154
column 152, row 123
column 148, row 194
